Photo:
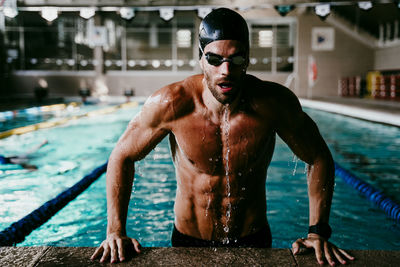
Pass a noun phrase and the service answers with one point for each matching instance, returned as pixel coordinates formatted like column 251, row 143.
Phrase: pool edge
column 79, row 256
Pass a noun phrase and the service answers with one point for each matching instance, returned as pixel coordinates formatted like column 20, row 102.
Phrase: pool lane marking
column 36, row 110
column 17, row 231
column 386, row 204
column 49, row 124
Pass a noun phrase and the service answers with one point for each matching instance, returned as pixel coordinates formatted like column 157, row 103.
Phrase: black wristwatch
column 322, row 229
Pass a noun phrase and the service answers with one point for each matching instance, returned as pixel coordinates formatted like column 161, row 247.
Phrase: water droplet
column 240, row 174
column 243, row 188
column 215, row 249
column 295, row 159
column 305, row 168
column 210, row 159
column 226, row 229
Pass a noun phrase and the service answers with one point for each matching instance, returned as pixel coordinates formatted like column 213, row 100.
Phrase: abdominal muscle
column 205, row 210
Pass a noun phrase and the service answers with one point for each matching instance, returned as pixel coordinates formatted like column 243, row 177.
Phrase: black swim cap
column 223, row 24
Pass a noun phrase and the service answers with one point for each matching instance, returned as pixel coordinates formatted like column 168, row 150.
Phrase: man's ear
column 201, row 63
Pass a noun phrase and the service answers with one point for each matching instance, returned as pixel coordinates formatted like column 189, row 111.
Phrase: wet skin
column 221, row 126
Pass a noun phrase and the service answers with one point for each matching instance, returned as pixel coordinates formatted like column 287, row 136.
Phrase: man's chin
column 226, row 98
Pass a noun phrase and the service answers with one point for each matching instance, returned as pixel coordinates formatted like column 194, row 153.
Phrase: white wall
column 387, row 58
column 349, row 57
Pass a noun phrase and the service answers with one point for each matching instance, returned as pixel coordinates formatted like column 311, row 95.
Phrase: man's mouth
column 226, row 87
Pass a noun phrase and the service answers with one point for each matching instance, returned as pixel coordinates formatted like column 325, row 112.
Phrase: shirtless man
column 221, row 126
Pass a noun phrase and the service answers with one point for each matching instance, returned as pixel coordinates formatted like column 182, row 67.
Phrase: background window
column 149, row 42
column 34, row 44
column 272, row 47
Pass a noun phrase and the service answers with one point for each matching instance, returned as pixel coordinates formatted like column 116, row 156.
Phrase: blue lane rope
column 391, row 208
column 17, row 231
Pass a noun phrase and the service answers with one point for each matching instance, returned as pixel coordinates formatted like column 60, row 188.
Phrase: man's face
column 224, row 70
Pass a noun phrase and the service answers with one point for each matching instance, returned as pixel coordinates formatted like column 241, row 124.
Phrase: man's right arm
column 143, row 133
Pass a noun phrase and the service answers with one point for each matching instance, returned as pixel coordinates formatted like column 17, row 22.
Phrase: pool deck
column 375, row 110
column 79, row 256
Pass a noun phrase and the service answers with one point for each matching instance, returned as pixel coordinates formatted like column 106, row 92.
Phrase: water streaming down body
column 295, row 160
column 228, row 186
column 209, row 193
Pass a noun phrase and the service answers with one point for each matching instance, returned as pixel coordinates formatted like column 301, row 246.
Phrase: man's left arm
column 301, row 134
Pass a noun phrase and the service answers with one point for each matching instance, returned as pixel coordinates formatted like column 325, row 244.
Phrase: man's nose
column 225, row 68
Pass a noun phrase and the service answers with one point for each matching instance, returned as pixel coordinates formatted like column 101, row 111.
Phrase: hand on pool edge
column 115, row 247
column 323, row 248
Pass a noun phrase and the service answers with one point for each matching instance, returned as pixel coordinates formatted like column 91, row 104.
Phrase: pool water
column 370, row 150
column 23, row 117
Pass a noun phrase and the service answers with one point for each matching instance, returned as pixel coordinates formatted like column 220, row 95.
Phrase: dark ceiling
column 369, row 20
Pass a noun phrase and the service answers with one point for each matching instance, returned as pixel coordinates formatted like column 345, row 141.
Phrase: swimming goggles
column 217, row 60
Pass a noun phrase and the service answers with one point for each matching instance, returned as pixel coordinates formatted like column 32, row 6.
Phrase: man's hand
column 117, row 247
column 322, row 249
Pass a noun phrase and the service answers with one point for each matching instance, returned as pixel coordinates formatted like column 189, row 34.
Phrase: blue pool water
column 370, row 150
column 23, row 117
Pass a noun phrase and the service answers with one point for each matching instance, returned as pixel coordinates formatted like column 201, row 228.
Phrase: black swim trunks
column 259, row 239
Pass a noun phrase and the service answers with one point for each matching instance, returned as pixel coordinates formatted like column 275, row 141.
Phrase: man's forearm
column 120, row 174
column 320, row 189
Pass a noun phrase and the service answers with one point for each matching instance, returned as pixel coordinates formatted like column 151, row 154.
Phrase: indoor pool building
column 75, row 73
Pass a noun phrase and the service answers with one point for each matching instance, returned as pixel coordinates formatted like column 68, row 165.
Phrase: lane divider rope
column 49, row 124
column 17, row 231
column 390, row 207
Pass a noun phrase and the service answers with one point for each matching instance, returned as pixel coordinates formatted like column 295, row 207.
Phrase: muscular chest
column 237, row 141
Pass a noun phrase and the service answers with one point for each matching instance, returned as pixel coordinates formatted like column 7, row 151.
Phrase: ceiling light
column 49, row 13
column 323, row 11
column 10, row 12
column 365, row 5
column 127, row 13
column 166, row 13
column 203, row 11
column 87, row 12
column 283, row 10
column 10, row 8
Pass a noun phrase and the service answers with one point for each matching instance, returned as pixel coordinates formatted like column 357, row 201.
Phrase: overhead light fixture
column 283, row 10
column 127, row 13
column 49, row 13
column 87, row 12
column 323, row 11
column 10, row 12
column 10, row 8
column 203, row 11
column 166, row 13
column 365, row 5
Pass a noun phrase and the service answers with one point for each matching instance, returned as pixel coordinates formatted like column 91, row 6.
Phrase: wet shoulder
column 172, row 101
column 270, row 94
